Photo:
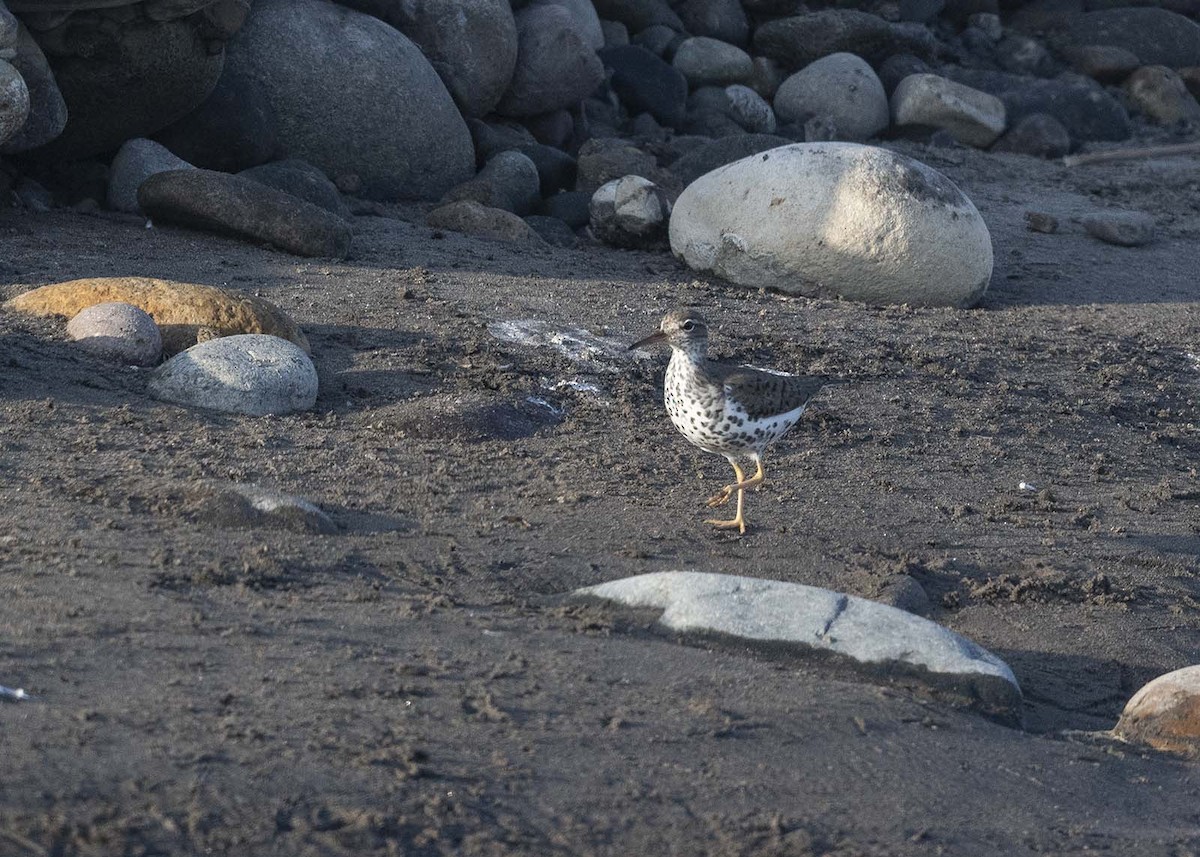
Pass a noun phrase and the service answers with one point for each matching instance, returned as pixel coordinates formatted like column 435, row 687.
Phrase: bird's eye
column 689, row 325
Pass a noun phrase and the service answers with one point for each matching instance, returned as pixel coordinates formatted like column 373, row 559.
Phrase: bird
column 734, row 411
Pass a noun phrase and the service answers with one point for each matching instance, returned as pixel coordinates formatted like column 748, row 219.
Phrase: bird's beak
column 657, row 336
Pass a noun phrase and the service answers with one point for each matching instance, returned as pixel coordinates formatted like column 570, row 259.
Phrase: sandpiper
column 734, row 411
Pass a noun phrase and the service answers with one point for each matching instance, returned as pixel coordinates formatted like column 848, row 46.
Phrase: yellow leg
column 738, row 521
column 742, row 484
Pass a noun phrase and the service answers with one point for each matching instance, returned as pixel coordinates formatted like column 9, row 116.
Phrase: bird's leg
column 738, row 521
column 722, row 497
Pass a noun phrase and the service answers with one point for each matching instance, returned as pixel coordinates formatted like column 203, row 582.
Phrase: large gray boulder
column 47, row 110
column 135, row 162
column 841, row 89
column 354, row 97
column 799, row 40
column 472, row 44
column 555, row 68
column 14, row 101
column 836, row 219
column 1154, row 36
column 806, row 619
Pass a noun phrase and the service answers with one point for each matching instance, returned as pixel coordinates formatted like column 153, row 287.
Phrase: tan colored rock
column 1165, row 714
column 179, row 309
column 1161, row 94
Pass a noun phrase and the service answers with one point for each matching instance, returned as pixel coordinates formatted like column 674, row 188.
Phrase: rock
column 710, row 113
column 555, row 128
column 234, row 129
column 571, row 207
column 973, row 117
column 1039, row 221
column 748, row 109
column 31, row 194
column 587, row 22
column 472, row 218
column 660, row 40
column 135, row 162
column 647, row 84
column 716, row 19
column 508, row 181
column 47, row 111
column 491, row 138
column 630, row 212
column 249, row 374
column 1123, row 228
column 804, row 619
column 1083, row 107
column 709, row 62
column 1154, row 36
column 555, row 168
column 706, row 158
column 232, row 205
column 1159, row 93
column 637, row 15
column 553, row 231
column 988, row 23
column 1038, row 134
column 841, row 88
column 802, row 39
column 879, row 227
column 120, row 81
column 601, row 161
column 302, row 180
column 14, row 101
column 119, row 332
column 899, row 66
column 342, row 71
column 921, row 11
column 1020, row 54
column 179, row 309
column 238, row 505
column 1165, row 714
column 615, row 34
column 766, row 77
column 555, row 67
column 1105, row 63
column 1191, row 79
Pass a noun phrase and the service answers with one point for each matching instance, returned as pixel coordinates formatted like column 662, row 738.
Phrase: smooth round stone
column 509, row 181
column 711, row 62
column 970, row 116
column 841, row 88
column 1123, row 228
column 472, row 218
column 836, row 219
column 14, row 101
column 555, row 66
column 1165, row 713
column 136, row 161
column 1159, row 93
column 253, row 374
column 1038, row 134
column 47, row 110
column 750, row 110
column 119, row 332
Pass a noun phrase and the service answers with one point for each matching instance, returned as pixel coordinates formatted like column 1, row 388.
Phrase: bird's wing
column 764, row 393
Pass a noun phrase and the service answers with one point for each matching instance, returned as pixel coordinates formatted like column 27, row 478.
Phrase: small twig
column 1132, row 154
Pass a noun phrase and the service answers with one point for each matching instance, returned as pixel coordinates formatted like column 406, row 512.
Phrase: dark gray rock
column 799, row 40
column 637, row 15
column 341, row 72
column 705, row 61
column 556, row 169
column 708, row 157
column 1037, row 134
column 587, row 22
column 1105, row 63
column 135, row 162
column 615, row 33
column 1123, row 228
column 921, row 11
column 492, row 137
column 602, row 160
column 555, row 128
column 472, row 218
column 47, row 110
column 766, row 77
column 1022, row 55
column 660, row 40
column 238, row 206
column 750, row 110
column 717, row 19
column 553, row 231
column 899, row 66
column 1154, row 36
column 571, row 207
column 1159, row 93
column 233, row 129
column 14, row 101
column 647, row 84
column 302, row 180
column 508, row 181
column 555, row 67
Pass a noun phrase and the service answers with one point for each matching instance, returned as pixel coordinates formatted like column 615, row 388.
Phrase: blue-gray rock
column 921, row 11
column 1038, row 134
column 1159, row 93
column 801, row 39
column 1020, row 54
column 840, row 88
column 1154, row 36
column 630, row 212
column 471, row 44
column 251, row 373
column 1123, row 228
column 766, row 77
column 509, row 181
column 47, row 110
column 706, row 158
column 602, row 160
column 556, row 169
column 660, row 40
column 555, row 128
column 717, row 19
column 553, row 231
column 1105, row 63
column 1085, row 108
column 637, row 15
column 587, row 22
column 119, row 332
column 571, row 207
column 807, row 619
column 750, row 110
column 14, row 101
column 135, row 162
column 897, row 67
column 353, row 96
column 235, row 128
column 711, row 62
column 615, row 33
column 232, row 205
column 647, row 84
column 490, row 138
column 555, row 66
column 301, row 179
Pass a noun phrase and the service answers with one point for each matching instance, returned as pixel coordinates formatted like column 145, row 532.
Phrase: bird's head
column 684, row 329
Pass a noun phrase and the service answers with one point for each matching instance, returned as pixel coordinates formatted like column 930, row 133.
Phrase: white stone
column 771, row 611
column 14, row 101
column 629, row 212
column 841, row 89
column 750, row 110
column 117, row 331
column 711, row 62
column 250, row 373
column 972, row 117
column 136, row 161
column 841, row 219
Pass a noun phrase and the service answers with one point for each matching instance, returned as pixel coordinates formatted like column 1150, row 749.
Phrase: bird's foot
column 721, row 497
column 739, row 522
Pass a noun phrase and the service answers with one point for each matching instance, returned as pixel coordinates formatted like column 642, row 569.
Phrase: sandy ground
column 410, row 685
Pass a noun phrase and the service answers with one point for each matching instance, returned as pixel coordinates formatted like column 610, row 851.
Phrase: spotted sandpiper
column 734, row 411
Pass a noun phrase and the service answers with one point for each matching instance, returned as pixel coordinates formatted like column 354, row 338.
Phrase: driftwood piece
column 1132, row 154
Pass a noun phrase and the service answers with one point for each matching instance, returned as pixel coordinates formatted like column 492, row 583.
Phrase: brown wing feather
column 765, row 394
